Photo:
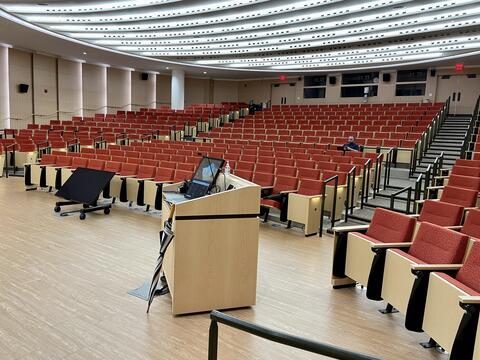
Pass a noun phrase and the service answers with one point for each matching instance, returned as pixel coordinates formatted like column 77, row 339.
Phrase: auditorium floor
column 64, row 283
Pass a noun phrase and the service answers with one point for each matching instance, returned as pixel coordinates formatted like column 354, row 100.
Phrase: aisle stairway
column 449, row 140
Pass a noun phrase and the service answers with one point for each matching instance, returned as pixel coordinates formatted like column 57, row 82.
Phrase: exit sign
column 283, row 77
column 459, row 67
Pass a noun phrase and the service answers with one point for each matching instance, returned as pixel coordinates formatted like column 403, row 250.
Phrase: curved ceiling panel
column 268, row 35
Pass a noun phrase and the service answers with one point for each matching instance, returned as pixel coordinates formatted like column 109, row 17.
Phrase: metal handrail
column 5, row 150
column 388, row 167
column 407, row 189
column 417, row 193
column 413, row 158
column 334, row 178
column 349, row 201
column 74, row 143
column 378, row 174
column 367, row 167
column 275, row 336
column 428, row 178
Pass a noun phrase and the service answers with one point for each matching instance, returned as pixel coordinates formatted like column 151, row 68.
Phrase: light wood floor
column 64, row 283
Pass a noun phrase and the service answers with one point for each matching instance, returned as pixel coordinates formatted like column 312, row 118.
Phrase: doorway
column 463, row 90
column 283, row 94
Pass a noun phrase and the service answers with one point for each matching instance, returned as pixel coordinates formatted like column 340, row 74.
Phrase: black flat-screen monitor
column 205, row 177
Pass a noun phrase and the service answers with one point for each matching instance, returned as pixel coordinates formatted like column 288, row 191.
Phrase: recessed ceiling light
column 167, row 68
column 84, row 53
column 204, row 72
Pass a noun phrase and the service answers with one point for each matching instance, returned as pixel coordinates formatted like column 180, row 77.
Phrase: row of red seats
column 363, row 106
column 123, row 168
column 324, row 130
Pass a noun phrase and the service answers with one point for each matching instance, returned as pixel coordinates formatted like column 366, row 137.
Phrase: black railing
column 388, row 168
column 469, row 142
column 99, row 142
column 43, row 147
column 146, row 137
column 396, row 194
column 428, row 179
column 334, row 202
column 350, row 199
column 367, row 167
column 414, row 159
column 378, row 174
column 121, row 139
column 428, row 136
column 73, row 145
column 417, row 193
column 7, row 148
column 275, row 336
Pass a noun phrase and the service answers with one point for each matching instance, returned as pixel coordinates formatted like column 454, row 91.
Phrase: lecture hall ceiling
column 264, row 35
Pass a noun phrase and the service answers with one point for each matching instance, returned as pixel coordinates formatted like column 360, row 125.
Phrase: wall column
column 178, row 90
column 4, row 88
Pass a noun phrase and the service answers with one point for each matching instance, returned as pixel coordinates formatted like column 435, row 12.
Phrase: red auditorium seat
column 278, row 198
column 305, row 173
column 459, row 196
column 444, row 319
column 433, row 244
column 471, row 226
column 182, row 175
column 96, row 164
column 265, row 168
column 441, row 213
column 244, row 174
column 265, row 180
column 285, row 170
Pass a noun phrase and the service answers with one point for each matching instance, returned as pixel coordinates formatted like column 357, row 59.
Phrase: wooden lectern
column 212, row 260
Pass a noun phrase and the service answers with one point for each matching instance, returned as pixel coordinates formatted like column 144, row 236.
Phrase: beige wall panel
column 70, row 100
column 21, row 105
column 94, row 89
column 164, row 91
column 119, row 89
column 196, row 91
column 225, row 91
column 44, row 88
column 143, row 91
column 4, row 89
column 256, row 90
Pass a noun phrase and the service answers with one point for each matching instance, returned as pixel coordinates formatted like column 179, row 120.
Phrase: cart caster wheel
column 106, row 211
column 57, row 209
column 82, row 216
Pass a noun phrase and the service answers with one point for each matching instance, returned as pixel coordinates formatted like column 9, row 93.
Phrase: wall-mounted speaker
column 332, row 80
column 433, row 72
column 23, row 88
column 144, row 76
column 386, row 77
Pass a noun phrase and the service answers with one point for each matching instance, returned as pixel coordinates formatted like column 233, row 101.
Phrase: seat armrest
column 474, row 300
column 267, row 187
column 391, row 245
column 288, row 191
column 436, row 267
column 435, row 187
column 455, row 227
column 416, row 216
column 128, row 176
column 351, row 228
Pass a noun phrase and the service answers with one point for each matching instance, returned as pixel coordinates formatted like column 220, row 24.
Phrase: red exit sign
column 459, row 67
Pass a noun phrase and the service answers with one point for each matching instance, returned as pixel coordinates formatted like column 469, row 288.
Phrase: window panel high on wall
column 411, row 82
column 314, row 87
column 360, row 78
